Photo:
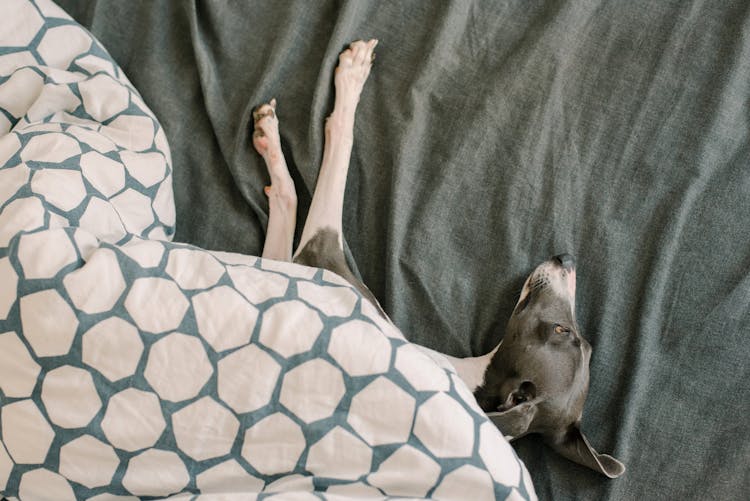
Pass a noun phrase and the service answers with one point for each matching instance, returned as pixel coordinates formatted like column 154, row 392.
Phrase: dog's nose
column 566, row 261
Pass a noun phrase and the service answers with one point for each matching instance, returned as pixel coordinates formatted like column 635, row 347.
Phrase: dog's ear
column 575, row 446
column 514, row 422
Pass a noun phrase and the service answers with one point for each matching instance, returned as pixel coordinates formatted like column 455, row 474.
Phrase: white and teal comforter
column 134, row 366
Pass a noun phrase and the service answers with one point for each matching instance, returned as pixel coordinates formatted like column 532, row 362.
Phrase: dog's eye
column 559, row 329
column 519, row 398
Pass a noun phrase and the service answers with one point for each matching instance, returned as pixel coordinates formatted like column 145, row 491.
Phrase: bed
column 490, row 136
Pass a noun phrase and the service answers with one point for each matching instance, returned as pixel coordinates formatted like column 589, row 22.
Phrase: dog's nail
column 267, row 191
column 273, row 103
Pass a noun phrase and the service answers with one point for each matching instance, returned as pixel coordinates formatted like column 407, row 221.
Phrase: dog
column 536, row 380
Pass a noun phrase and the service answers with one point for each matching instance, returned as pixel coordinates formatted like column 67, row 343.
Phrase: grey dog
column 536, row 380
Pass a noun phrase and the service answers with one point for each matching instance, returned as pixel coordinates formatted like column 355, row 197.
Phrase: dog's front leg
column 326, row 209
column 282, row 197
column 322, row 244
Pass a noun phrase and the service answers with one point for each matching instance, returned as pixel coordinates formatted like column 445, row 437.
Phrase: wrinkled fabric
column 490, row 136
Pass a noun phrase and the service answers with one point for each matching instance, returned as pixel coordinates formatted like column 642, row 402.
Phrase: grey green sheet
column 490, row 136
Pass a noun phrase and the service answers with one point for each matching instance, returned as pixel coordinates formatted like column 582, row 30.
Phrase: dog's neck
column 471, row 370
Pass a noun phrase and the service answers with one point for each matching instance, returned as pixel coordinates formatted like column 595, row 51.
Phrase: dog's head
column 538, row 378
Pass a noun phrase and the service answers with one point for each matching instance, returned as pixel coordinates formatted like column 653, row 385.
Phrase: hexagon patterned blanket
column 134, row 366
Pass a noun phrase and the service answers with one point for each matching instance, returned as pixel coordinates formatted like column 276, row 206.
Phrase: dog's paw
column 354, row 68
column 266, row 130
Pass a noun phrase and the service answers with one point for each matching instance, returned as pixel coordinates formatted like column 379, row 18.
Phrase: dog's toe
column 266, row 128
column 267, row 110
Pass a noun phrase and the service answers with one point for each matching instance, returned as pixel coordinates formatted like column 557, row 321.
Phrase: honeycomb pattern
column 134, row 366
